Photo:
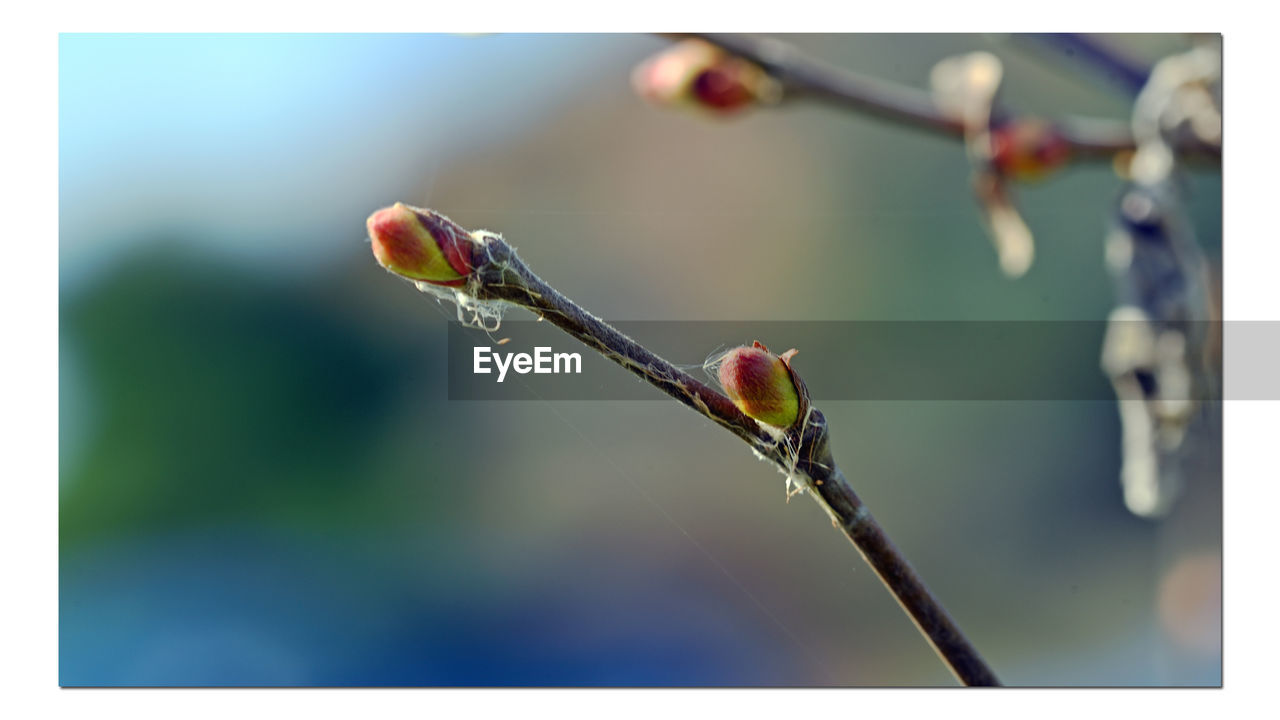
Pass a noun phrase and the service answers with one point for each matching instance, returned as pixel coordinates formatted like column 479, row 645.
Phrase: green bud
column 421, row 245
column 760, row 384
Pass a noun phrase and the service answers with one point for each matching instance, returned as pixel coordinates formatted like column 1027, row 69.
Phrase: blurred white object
column 1154, row 350
column 965, row 87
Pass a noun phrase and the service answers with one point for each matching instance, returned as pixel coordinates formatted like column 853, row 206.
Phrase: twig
column 498, row 274
column 1120, row 69
column 805, row 76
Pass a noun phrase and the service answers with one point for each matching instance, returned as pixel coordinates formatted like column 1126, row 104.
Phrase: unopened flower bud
column 761, row 385
column 1028, row 149
column 421, row 245
column 694, row 72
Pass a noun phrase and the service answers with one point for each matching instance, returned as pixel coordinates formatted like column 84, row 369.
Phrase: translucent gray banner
column 869, row 360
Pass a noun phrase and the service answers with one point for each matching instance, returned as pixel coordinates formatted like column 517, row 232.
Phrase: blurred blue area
column 262, row 482
column 227, row 138
column 277, row 609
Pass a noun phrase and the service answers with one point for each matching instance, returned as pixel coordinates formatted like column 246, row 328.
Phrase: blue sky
column 260, row 145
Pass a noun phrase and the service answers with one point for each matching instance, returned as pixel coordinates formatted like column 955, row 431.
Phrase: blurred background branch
column 802, row 76
column 1161, row 277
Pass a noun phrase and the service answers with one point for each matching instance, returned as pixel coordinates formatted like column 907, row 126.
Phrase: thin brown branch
column 498, row 274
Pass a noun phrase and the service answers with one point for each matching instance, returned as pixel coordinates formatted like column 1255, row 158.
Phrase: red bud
column 421, row 245
column 1028, row 149
column 760, row 384
column 694, row 72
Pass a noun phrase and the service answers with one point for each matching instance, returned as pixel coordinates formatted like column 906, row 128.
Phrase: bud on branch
column 699, row 74
column 761, row 384
column 425, row 245
column 1027, row 149
column 421, row 245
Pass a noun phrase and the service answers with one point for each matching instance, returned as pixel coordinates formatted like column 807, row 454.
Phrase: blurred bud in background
column 1027, row 149
column 694, row 73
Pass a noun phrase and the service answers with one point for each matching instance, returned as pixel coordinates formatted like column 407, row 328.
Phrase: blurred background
column 263, row 482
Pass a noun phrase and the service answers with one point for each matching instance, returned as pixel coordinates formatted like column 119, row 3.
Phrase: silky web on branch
column 796, row 483
column 473, row 311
